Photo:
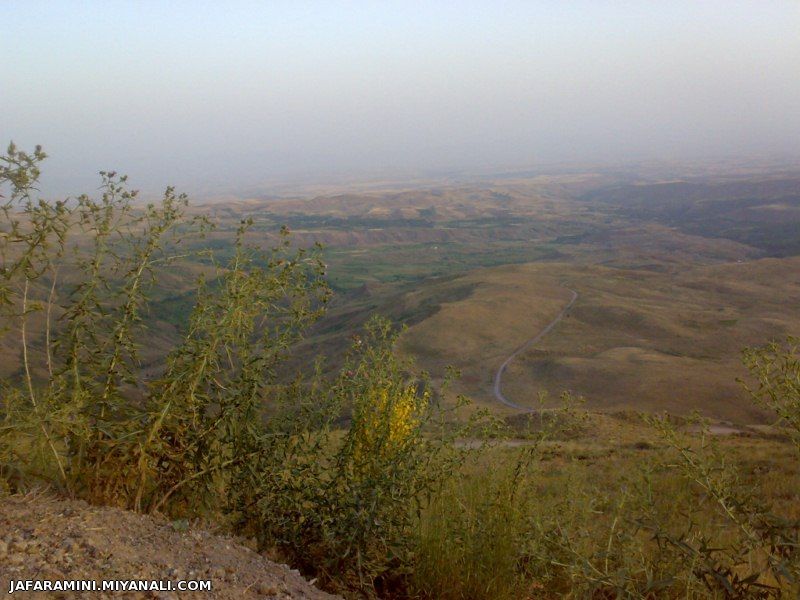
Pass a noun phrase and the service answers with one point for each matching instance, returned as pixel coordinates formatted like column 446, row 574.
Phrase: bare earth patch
column 46, row 538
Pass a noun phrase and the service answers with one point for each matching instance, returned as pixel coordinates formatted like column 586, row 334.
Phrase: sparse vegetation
column 371, row 479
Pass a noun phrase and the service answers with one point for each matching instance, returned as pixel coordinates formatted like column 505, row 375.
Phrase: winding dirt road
column 499, row 375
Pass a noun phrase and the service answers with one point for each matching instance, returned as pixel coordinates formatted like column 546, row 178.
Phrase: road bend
column 498, row 378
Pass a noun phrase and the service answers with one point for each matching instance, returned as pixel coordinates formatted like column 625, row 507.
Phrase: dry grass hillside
column 637, row 339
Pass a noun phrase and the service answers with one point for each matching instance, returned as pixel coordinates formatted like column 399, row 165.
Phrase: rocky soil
column 46, row 538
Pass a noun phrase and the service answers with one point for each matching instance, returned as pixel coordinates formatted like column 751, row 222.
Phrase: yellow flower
column 386, row 423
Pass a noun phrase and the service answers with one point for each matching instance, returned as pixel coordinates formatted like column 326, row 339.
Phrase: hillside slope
column 640, row 339
column 44, row 538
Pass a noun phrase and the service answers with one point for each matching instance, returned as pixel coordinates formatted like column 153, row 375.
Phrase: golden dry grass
column 634, row 339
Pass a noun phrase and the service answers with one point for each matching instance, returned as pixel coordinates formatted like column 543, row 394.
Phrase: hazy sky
column 238, row 93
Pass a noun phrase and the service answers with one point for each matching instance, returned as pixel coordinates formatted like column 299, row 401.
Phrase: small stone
column 217, row 573
column 3, row 548
column 266, row 589
column 68, row 544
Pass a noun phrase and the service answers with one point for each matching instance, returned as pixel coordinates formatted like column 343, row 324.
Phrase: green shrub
column 347, row 508
column 776, row 369
column 92, row 424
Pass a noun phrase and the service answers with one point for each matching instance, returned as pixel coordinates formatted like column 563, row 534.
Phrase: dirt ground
column 46, row 538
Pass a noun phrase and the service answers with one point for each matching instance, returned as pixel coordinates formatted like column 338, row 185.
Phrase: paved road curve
column 499, row 375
